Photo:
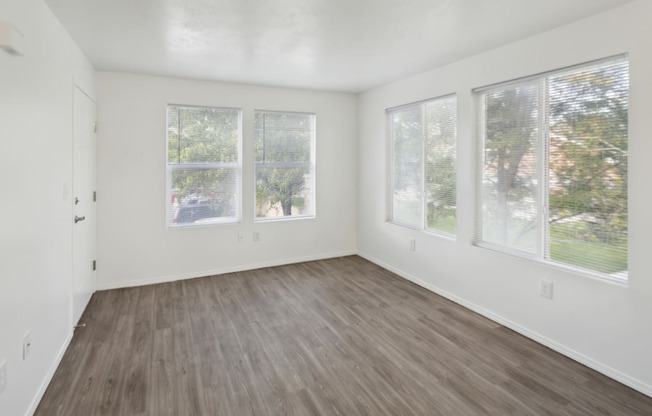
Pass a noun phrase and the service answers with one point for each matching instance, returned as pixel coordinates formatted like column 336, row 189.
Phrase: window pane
column 283, row 137
column 440, row 149
column 407, row 171
column 203, row 195
column 283, row 148
column 577, row 216
column 509, row 183
column 203, row 164
column 283, row 192
column 203, row 135
column 588, row 168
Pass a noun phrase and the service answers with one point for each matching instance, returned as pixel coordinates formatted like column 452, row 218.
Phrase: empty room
column 312, row 207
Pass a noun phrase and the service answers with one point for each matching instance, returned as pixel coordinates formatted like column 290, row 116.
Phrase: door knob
column 77, row 219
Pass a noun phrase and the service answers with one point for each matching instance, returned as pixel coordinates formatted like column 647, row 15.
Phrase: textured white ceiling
column 341, row 45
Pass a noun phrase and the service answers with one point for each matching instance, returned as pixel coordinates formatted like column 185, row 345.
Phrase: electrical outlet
column 3, row 377
column 413, row 245
column 545, row 289
column 27, row 345
column 241, row 237
column 256, row 236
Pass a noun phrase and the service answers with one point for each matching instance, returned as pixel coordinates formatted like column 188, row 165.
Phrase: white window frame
column 423, row 226
column 312, row 165
column 543, row 194
column 169, row 168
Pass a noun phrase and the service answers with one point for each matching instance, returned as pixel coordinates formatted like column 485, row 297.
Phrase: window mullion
column 546, row 176
column 389, row 200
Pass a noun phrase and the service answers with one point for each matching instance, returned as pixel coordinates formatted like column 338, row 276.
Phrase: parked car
column 193, row 212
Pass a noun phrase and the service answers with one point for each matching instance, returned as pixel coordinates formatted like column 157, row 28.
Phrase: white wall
column 603, row 325
column 134, row 245
column 35, row 233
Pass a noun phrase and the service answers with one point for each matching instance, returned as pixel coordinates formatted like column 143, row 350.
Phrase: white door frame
column 91, row 218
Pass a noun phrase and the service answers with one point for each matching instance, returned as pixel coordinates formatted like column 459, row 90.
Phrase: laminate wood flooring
column 332, row 337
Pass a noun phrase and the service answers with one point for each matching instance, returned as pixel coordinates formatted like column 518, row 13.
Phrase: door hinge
column 94, row 265
column 94, row 196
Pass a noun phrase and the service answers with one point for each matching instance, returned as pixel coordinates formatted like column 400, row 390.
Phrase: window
column 285, row 164
column 553, row 168
column 203, row 166
column 422, row 156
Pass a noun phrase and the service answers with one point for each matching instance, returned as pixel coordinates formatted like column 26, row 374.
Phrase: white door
column 83, row 234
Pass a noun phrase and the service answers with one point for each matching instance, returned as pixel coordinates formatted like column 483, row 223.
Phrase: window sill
column 288, row 218
column 601, row 277
column 434, row 233
column 203, row 224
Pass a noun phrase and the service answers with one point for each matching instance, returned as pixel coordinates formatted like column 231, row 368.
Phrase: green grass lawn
column 447, row 224
column 611, row 258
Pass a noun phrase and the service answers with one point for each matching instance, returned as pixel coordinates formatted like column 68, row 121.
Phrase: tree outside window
column 284, row 163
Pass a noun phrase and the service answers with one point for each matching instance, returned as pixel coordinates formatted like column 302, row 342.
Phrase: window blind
column 422, row 140
column 510, row 199
column 553, row 168
column 284, row 164
column 407, row 169
column 203, row 166
column 440, row 164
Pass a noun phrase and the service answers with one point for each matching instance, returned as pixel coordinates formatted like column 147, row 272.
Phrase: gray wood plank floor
column 332, row 337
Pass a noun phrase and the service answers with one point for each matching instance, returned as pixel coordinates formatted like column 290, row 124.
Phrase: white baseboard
column 242, row 268
column 562, row 349
column 48, row 377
